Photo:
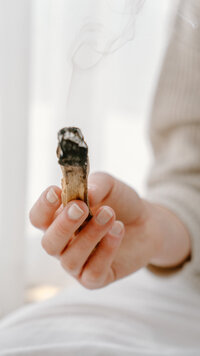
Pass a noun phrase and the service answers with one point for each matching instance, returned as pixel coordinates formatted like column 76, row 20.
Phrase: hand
column 125, row 233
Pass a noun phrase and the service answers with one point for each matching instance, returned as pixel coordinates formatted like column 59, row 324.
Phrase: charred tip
column 72, row 149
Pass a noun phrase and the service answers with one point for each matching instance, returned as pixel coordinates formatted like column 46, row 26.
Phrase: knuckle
column 92, row 279
column 61, row 228
column 88, row 238
column 92, row 235
column 47, row 246
column 69, row 265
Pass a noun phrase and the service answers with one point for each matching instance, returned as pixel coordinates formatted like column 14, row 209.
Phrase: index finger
column 42, row 213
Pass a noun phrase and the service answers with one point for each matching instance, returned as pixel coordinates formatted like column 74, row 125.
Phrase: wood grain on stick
column 73, row 158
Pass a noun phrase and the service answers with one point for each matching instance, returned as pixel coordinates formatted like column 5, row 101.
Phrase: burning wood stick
column 73, row 158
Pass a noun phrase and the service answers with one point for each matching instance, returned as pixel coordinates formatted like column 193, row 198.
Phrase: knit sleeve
column 174, row 178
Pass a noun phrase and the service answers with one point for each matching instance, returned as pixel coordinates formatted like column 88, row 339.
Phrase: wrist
column 173, row 245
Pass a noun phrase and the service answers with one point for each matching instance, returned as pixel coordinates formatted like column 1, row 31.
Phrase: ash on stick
column 73, row 158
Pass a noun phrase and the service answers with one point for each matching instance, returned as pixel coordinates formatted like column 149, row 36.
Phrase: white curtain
column 14, row 114
column 59, row 66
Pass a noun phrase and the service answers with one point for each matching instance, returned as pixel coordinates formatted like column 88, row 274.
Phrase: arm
column 174, row 180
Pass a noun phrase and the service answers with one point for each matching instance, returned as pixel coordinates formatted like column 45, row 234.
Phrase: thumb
column 106, row 189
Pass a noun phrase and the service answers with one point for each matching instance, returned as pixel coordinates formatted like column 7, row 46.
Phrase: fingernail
column 104, row 216
column 52, row 196
column 117, row 228
column 74, row 212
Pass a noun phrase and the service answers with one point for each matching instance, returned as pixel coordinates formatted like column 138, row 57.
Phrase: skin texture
column 150, row 234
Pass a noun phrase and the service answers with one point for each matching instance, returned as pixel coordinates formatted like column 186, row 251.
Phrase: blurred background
column 92, row 64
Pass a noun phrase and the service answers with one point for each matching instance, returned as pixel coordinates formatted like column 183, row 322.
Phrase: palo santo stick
column 73, row 158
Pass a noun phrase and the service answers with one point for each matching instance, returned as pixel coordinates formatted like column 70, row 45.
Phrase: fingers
column 42, row 212
column 63, row 227
column 88, row 256
column 78, row 251
column 97, row 271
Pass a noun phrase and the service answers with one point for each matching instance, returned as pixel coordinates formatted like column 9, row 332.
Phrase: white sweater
column 174, row 179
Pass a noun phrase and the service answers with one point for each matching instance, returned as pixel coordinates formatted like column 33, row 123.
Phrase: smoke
column 105, row 31
column 110, row 24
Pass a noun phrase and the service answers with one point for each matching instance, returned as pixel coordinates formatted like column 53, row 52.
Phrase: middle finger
column 77, row 252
